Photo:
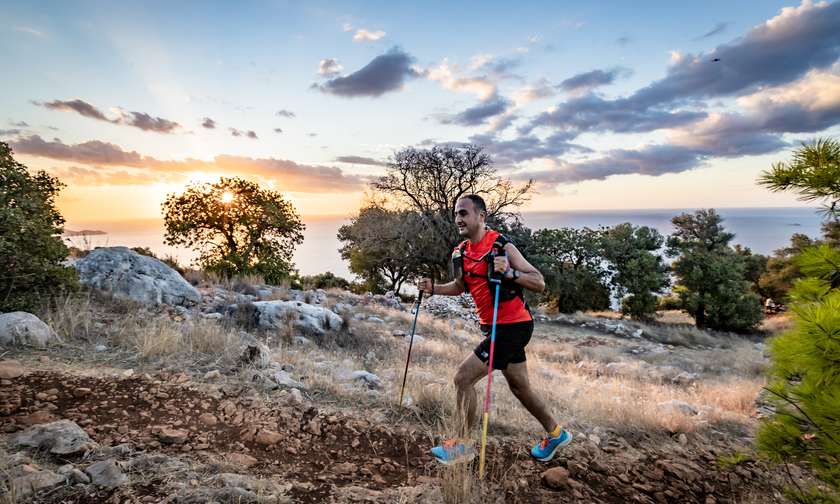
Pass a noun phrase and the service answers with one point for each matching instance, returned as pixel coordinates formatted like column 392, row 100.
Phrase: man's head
column 470, row 212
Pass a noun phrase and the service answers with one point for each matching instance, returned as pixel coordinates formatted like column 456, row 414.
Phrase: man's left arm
column 520, row 270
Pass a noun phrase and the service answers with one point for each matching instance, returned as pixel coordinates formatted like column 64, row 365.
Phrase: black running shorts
column 510, row 343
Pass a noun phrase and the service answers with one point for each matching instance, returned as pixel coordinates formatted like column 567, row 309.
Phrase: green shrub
column 31, row 250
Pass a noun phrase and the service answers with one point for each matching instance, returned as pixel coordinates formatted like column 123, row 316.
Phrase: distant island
column 84, row 232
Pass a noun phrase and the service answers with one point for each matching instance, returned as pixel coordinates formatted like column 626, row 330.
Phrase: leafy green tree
column 236, row 226
column 755, row 265
column 805, row 377
column 388, row 247
column 31, row 250
column 712, row 274
column 570, row 260
column 638, row 272
column 782, row 270
column 430, row 182
column 813, row 173
column 326, row 280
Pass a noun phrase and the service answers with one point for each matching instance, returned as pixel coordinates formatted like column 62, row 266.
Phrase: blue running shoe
column 545, row 449
column 452, row 452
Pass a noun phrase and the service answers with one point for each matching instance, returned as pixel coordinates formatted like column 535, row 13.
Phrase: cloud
column 363, row 35
column 208, row 123
column 539, row 90
column 30, row 31
column 10, row 132
column 92, row 152
column 146, row 122
column 776, row 52
column 108, row 159
column 249, row 133
column 717, row 30
column 329, row 67
column 594, row 113
column 285, row 113
column 587, row 81
column 385, row 73
column 139, row 120
column 360, row 160
column 526, row 147
column 449, row 77
column 19, row 124
column 623, row 40
column 278, row 130
column 79, row 106
column 479, row 114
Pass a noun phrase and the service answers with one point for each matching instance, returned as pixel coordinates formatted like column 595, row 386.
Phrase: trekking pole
column 415, row 311
column 486, row 418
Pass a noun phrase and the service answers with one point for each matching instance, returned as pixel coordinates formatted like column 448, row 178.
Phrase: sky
column 606, row 105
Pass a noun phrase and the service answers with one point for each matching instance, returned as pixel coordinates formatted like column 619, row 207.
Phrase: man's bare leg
column 517, row 378
column 469, row 372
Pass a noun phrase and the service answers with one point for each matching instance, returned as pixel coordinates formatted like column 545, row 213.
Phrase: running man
column 514, row 326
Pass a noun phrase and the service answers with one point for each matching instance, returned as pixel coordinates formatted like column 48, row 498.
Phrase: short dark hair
column 478, row 202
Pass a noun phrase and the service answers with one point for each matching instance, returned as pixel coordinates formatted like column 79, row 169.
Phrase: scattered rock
column 100, row 348
column 295, row 397
column 208, row 419
column 106, row 474
column 11, row 369
column 73, row 475
column 171, row 435
column 285, row 380
column 371, row 380
column 213, row 375
column 307, row 319
column 556, row 478
column 241, row 459
column 675, row 405
column 33, row 482
column 22, row 328
column 61, row 438
column 255, row 354
column 129, row 275
column 268, row 437
column 344, row 468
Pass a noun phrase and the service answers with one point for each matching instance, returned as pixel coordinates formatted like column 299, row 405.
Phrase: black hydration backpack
column 507, row 290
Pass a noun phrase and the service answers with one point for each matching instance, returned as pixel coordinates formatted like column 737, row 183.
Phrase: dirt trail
column 320, row 454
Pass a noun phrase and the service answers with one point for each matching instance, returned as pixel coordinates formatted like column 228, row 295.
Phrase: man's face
column 468, row 219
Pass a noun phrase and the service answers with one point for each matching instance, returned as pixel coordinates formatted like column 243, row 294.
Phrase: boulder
column 30, row 483
column 22, row 328
column 129, row 275
column 60, row 438
column 285, row 380
column 305, row 318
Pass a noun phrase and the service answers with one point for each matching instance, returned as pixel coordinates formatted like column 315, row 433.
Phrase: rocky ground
column 260, row 394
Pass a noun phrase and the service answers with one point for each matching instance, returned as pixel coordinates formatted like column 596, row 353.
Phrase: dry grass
column 199, row 341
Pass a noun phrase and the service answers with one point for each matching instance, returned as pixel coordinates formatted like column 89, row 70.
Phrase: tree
column 805, row 377
column 431, row 181
column 388, row 247
column 755, row 265
column 638, row 273
column 781, row 271
column 236, row 226
column 813, row 173
column 715, row 291
column 570, row 260
column 31, row 250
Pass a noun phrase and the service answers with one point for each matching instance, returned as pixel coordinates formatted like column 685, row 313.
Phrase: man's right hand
column 425, row 285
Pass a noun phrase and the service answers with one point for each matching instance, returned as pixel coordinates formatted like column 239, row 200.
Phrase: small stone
column 100, row 348
column 11, row 369
column 73, row 475
column 208, row 419
column 241, row 459
column 268, row 437
column 682, row 439
column 344, row 468
column 81, row 392
column 170, row 435
column 212, row 375
column 106, row 474
column 556, row 478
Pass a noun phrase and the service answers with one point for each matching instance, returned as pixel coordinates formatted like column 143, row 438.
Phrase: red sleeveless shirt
column 475, row 262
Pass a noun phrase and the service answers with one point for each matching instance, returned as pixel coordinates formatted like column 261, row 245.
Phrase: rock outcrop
column 129, row 275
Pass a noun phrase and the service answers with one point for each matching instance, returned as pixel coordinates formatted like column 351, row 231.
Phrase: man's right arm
column 453, row 288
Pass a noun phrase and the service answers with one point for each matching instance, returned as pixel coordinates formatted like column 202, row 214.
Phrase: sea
column 763, row 230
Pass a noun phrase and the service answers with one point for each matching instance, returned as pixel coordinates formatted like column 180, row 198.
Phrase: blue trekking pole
column 415, row 311
column 496, row 279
